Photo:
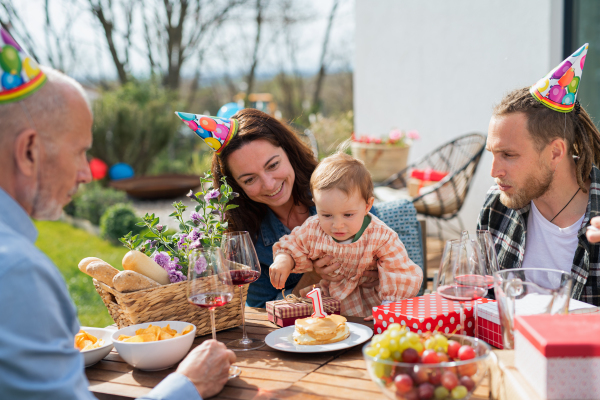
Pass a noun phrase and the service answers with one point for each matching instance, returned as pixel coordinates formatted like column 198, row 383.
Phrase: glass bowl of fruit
column 411, row 366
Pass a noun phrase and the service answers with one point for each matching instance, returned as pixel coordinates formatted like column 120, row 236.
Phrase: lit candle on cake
column 315, row 296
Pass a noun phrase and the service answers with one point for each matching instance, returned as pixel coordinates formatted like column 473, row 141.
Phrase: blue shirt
column 271, row 230
column 38, row 322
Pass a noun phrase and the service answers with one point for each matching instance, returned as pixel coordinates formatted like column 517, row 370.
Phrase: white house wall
column 439, row 67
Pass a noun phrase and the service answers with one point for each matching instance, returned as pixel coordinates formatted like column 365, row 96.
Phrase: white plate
column 282, row 339
column 91, row 357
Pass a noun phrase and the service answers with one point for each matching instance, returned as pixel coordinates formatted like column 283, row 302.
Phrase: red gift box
column 426, row 313
column 559, row 355
column 284, row 313
column 488, row 324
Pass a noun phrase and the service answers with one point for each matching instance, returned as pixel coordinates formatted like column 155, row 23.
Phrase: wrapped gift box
column 426, row 313
column 488, row 324
column 420, row 178
column 284, row 313
column 488, row 321
column 559, row 355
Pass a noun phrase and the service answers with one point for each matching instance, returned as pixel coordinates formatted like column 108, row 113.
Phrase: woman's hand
column 325, row 270
column 593, row 235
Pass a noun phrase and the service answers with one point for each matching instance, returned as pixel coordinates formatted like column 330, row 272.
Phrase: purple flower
column 176, row 276
column 149, row 243
column 182, row 241
column 213, row 194
column 191, row 194
column 200, row 265
column 162, row 259
column 196, row 218
column 195, row 235
column 196, row 245
column 159, row 228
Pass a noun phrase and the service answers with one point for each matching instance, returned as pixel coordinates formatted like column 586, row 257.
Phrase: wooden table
column 266, row 373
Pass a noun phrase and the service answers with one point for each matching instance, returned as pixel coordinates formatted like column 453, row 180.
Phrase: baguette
column 131, row 281
column 141, row 263
column 85, row 262
column 102, row 271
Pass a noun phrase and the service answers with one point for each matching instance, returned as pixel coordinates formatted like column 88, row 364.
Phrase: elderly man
column 45, row 131
column 546, row 151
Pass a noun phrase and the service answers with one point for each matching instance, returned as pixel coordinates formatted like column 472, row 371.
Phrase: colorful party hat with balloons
column 20, row 75
column 558, row 89
column 216, row 132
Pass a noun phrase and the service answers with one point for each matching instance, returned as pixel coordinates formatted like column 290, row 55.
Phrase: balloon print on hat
column 216, row 132
column 10, row 60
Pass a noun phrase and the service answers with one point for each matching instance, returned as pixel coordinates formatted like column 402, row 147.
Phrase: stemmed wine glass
column 209, row 282
column 490, row 259
column 242, row 261
column 461, row 277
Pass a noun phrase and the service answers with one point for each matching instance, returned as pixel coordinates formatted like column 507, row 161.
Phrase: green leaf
column 150, row 234
column 140, row 224
column 231, row 207
column 173, row 214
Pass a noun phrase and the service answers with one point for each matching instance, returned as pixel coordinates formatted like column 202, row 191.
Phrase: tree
column 316, row 105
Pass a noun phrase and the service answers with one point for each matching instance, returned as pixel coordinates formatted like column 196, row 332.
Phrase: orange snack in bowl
column 84, row 341
column 154, row 333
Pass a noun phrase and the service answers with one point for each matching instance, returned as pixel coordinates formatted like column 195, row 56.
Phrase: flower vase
column 382, row 160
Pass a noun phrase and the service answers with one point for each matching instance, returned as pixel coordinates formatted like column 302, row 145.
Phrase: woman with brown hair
column 270, row 167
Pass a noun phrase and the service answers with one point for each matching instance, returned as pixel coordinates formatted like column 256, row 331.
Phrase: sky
column 228, row 52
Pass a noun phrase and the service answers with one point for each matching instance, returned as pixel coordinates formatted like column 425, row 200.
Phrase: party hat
column 20, row 75
column 216, row 132
column 558, row 89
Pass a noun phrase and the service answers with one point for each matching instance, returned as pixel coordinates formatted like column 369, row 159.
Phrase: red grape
column 443, row 357
column 403, row 383
column 449, row 380
column 435, row 377
column 421, row 376
column 467, row 382
column 453, row 347
column 412, row 395
column 430, row 357
column 466, row 352
column 426, row 391
column 468, row 369
column 410, row 356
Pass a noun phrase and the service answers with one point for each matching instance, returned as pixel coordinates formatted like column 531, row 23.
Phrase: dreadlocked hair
column 544, row 125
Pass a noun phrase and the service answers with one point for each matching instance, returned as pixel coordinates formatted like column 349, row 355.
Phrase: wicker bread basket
column 168, row 303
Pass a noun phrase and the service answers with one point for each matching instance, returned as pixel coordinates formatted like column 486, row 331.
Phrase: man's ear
column 370, row 204
column 559, row 150
column 27, row 152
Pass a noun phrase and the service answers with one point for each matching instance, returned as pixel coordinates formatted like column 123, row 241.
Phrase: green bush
column 93, row 201
column 118, row 221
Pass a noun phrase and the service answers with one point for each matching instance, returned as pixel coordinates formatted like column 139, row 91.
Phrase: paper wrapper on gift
column 426, row 313
column 419, row 178
column 415, row 185
column 559, row 355
column 285, row 313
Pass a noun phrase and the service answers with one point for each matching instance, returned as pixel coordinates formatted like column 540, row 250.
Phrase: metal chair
column 442, row 201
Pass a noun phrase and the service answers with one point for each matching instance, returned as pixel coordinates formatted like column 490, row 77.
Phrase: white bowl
column 154, row 356
column 91, row 357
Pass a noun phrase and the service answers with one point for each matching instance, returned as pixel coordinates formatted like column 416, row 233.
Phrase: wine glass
column 209, row 282
column 461, row 277
column 242, row 261
column 490, row 259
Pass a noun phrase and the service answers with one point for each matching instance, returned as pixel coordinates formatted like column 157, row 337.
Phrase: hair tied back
column 577, row 107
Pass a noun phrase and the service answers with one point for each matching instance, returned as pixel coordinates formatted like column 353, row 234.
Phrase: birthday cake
column 313, row 331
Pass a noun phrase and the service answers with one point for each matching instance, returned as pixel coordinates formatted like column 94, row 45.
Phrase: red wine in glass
column 241, row 276
column 211, row 300
column 461, row 293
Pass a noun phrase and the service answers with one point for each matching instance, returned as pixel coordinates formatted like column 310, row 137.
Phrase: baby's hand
column 280, row 270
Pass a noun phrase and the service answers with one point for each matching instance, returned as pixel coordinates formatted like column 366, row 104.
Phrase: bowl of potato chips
column 153, row 346
column 93, row 343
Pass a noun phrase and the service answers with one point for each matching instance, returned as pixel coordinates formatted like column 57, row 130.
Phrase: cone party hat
column 558, row 89
column 20, row 75
column 216, row 132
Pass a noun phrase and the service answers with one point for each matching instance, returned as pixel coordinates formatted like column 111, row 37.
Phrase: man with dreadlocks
column 545, row 155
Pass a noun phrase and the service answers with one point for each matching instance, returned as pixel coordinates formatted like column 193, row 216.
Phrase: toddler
column 344, row 229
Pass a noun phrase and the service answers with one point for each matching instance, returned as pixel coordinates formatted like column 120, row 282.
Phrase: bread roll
column 141, row 263
column 102, row 271
column 85, row 262
column 131, row 281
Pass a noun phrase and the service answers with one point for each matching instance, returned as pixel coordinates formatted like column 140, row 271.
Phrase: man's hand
column 207, row 366
column 592, row 234
column 280, row 270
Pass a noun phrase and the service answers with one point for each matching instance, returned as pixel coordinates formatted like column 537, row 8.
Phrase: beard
column 533, row 188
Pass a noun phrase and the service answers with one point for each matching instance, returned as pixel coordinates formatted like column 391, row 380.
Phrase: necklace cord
column 566, row 205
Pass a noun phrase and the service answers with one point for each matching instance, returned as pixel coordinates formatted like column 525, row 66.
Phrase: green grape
column 378, row 369
column 459, row 392
column 395, row 334
column 394, row 345
column 419, row 347
column 441, row 393
column 441, row 343
column 397, row 355
column 385, row 341
column 371, row 351
column 384, row 353
column 413, row 338
column 375, row 339
column 394, row 327
column 430, row 343
column 377, row 345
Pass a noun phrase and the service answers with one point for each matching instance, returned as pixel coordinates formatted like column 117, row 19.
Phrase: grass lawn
column 66, row 246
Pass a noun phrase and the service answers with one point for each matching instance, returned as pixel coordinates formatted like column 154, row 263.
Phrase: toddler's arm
column 399, row 277
column 297, row 246
column 280, row 270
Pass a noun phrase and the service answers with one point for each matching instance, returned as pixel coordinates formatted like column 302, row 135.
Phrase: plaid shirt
column 378, row 249
column 509, row 230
